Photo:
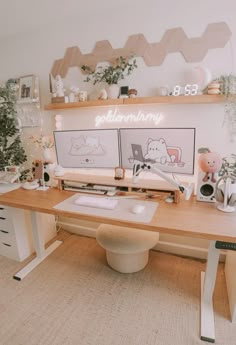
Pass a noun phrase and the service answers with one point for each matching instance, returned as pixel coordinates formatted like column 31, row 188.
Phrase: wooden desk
column 187, row 218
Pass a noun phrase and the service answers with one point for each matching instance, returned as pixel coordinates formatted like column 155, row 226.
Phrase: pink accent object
column 210, row 162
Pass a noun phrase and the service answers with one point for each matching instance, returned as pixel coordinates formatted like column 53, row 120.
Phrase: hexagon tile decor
column 174, row 40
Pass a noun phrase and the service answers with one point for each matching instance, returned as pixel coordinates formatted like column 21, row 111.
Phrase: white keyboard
column 84, row 190
column 106, row 188
column 96, row 202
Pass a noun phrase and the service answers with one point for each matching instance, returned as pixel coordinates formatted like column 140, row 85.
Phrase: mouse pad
column 122, row 210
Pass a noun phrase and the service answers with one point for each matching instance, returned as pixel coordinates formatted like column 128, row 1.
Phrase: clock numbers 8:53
column 187, row 90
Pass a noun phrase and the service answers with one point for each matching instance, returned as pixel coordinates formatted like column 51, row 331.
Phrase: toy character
column 157, row 151
column 210, row 163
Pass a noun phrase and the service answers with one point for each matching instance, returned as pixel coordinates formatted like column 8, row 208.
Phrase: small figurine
column 132, row 93
column 210, row 163
column 102, row 94
column 74, row 92
column 58, row 87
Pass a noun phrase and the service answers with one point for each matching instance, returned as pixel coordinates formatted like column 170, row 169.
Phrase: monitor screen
column 172, row 149
column 87, row 148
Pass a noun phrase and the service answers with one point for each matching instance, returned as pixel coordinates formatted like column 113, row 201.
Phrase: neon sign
column 113, row 116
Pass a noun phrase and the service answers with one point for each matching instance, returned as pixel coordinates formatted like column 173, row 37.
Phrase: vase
column 47, row 156
column 113, row 91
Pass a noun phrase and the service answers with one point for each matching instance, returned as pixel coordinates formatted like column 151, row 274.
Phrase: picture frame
column 119, row 173
column 27, row 88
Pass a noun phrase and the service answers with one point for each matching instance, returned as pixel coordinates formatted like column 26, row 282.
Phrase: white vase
column 47, row 156
column 113, row 91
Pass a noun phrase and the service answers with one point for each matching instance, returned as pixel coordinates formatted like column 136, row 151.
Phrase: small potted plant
column 111, row 74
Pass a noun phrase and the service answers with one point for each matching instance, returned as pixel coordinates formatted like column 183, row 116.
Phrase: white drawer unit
column 16, row 233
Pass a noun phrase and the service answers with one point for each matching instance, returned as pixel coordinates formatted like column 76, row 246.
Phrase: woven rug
column 74, row 298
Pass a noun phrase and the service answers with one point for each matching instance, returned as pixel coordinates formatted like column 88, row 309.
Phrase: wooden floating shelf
column 198, row 99
column 92, row 103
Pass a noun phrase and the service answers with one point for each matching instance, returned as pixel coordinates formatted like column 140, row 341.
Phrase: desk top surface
column 187, row 218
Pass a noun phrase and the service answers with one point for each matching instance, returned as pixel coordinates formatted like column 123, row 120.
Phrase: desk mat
column 121, row 211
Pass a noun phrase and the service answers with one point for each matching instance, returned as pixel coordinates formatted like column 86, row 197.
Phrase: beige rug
column 74, row 298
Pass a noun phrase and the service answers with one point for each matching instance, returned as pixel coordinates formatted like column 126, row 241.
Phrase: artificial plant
column 228, row 89
column 111, row 74
column 11, row 150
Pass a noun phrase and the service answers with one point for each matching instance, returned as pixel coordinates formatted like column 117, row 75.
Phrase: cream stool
column 127, row 249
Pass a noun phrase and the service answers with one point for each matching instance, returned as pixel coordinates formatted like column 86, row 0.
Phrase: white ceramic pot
column 113, row 91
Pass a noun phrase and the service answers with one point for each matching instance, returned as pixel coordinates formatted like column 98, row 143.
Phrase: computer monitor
column 87, row 148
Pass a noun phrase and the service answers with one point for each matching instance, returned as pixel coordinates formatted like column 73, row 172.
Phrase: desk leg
column 41, row 252
column 207, row 288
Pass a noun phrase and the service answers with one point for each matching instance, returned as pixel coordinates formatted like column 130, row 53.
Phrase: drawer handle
column 4, row 231
column 6, row 244
column 3, row 218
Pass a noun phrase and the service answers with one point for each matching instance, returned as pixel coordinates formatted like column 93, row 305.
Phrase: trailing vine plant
column 228, row 88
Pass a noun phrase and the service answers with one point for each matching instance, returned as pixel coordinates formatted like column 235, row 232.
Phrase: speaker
column 219, row 193
column 205, row 189
column 47, row 174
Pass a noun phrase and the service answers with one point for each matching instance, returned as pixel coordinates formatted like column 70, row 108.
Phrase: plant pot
column 113, row 91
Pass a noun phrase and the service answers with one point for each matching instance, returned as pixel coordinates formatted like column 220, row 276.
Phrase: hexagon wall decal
column 174, row 40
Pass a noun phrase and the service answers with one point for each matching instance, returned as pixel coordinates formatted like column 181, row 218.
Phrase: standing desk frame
column 187, row 218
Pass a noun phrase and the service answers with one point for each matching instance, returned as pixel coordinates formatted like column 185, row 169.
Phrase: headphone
column 219, row 193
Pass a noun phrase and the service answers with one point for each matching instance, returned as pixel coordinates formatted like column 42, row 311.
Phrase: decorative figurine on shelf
column 103, row 94
column 210, row 163
column 58, row 87
column 132, row 93
column 74, row 92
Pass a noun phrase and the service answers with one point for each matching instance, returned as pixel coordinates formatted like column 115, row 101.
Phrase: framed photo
column 26, row 88
column 87, row 148
column 170, row 149
column 119, row 173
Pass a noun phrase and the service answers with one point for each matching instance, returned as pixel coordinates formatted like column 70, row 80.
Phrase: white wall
column 75, row 23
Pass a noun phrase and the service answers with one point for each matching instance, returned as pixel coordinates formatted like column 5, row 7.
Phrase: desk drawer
column 4, row 211
column 7, row 236
column 6, row 225
column 9, row 250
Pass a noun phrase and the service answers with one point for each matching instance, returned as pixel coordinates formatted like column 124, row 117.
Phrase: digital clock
column 187, row 90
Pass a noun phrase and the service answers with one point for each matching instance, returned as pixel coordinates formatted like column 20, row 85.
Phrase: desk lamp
column 140, row 164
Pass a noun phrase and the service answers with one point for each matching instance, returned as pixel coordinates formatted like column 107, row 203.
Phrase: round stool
column 127, row 249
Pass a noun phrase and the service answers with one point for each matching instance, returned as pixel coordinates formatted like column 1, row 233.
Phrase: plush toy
column 210, row 163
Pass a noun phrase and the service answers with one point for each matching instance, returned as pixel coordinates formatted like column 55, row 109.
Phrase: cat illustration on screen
column 83, row 146
column 157, row 150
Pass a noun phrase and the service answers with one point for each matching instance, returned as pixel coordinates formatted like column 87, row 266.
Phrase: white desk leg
column 41, row 252
column 207, row 288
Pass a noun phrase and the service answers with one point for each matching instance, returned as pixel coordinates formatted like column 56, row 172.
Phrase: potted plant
column 111, row 74
column 12, row 152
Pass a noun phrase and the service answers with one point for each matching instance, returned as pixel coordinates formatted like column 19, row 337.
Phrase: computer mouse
column 169, row 199
column 138, row 209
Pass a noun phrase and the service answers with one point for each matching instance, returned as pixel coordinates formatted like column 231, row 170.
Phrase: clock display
column 187, row 90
